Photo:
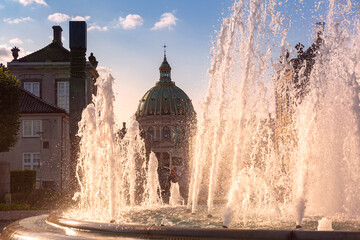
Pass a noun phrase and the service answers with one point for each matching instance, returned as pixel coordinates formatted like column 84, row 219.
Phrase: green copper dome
column 165, row 98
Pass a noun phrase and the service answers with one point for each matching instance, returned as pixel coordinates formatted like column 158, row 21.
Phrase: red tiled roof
column 29, row 103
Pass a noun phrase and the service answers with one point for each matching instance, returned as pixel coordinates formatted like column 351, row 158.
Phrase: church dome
column 165, row 98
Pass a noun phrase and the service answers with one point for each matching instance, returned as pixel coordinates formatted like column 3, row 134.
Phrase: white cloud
column 17, row 20
column 131, row 21
column 16, row 41
column 80, row 18
column 1, row 6
column 29, row 2
column 167, row 20
column 58, row 17
column 6, row 54
column 61, row 17
column 95, row 27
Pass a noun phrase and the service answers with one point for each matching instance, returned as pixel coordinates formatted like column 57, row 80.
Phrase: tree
column 9, row 109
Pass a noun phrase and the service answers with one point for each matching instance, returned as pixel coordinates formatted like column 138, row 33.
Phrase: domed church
column 166, row 116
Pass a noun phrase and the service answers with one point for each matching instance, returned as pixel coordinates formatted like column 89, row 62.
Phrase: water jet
column 294, row 167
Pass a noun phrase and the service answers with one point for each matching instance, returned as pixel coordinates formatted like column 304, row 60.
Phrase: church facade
column 291, row 86
column 166, row 116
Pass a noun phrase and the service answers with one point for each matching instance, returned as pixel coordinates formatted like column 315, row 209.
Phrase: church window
column 151, row 133
column 63, row 95
column 166, row 132
column 33, row 87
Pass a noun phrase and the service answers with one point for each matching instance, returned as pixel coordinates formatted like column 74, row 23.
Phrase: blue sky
column 127, row 36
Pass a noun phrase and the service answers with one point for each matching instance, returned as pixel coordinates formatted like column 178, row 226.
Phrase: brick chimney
column 57, row 35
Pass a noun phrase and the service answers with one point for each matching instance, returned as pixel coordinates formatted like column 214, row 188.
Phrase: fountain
column 259, row 168
column 153, row 188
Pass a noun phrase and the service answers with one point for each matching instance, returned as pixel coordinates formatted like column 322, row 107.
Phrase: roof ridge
column 42, row 49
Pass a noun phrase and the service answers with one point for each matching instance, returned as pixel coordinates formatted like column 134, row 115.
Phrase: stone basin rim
column 148, row 232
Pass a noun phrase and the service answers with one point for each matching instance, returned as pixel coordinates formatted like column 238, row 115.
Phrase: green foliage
column 49, row 199
column 9, row 109
column 43, row 199
column 19, row 197
column 22, row 181
column 15, row 206
column 22, row 187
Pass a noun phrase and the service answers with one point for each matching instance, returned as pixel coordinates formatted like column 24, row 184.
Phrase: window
column 63, row 95
column 166, row 132
column 32, row 128
column 165, row 74
column 46, row 145
column 151, row 133
column 31, row 161
column 33, row 87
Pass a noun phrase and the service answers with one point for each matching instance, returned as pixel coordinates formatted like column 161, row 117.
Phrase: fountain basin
column 55, row 227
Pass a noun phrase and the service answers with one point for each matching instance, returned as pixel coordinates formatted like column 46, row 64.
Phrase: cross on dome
column 164, row 49
column 165, row 69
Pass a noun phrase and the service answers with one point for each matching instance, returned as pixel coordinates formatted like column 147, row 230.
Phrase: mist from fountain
column 175, row 196
column 237, row 159
column 110, row 167
column 328, row 121
column 315, row 167
column 153, row 189
column 325, row 225
column 237, row 135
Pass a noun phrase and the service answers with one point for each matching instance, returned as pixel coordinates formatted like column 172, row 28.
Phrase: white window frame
column 32, row 86
column 33, row 164
column 32, row 125
column 66, row 95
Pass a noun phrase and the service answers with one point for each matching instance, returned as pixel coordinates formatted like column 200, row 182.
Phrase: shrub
column 15, row 206
column 49, row 199
column 9, row 109
column 19, row 198
column 22, row 185
column 44, row 198
column 22, row 181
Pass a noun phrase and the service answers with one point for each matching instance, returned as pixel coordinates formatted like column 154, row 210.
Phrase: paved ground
column 7, row 217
